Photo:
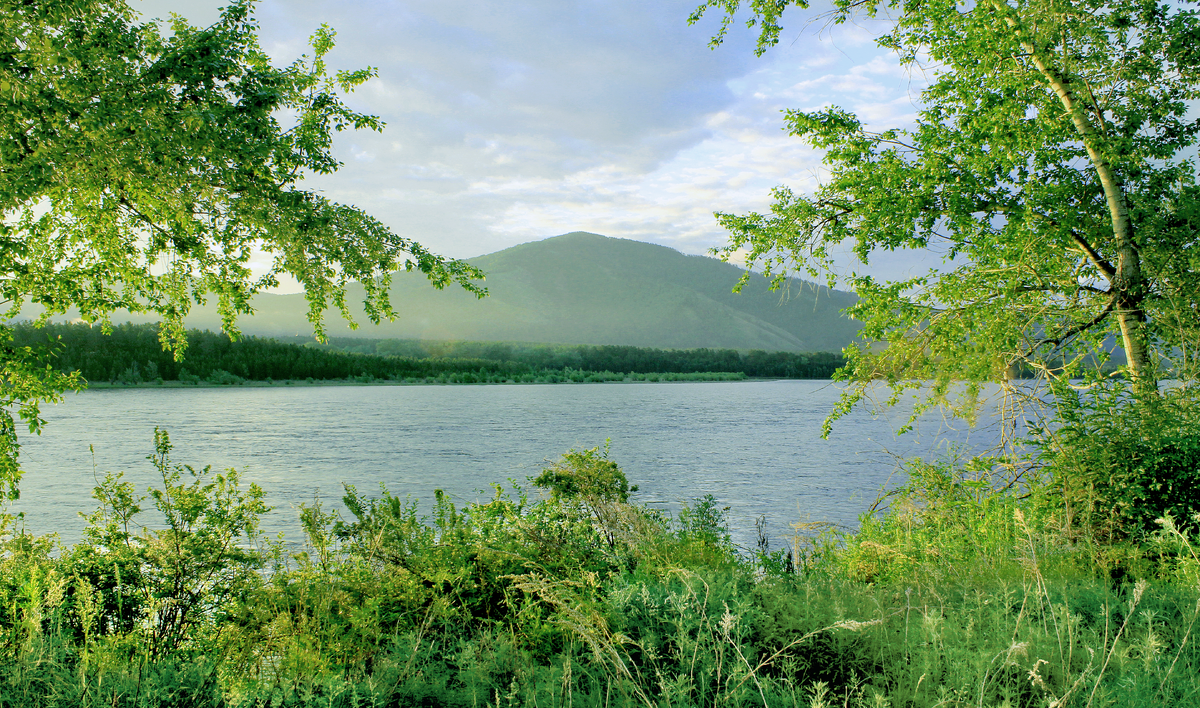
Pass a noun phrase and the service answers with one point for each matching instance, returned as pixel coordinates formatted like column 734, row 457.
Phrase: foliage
column 28, row 377
column 1050, row 177
column 955, row 596
column 181, row 579
column 132, row 616
column 1051, row 170
column 946, row 524
column 588, row 475
column 143, row 169
column 131, row 354
column 1117, row 468
column 589, row 357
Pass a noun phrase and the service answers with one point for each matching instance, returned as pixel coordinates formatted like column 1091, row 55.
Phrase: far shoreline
column 303, row 383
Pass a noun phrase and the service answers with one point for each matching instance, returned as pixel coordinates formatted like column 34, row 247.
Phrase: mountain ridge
column 584, row 288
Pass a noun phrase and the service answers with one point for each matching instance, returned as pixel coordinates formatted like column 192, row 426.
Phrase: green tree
column 1052, row 167
column 141, row 168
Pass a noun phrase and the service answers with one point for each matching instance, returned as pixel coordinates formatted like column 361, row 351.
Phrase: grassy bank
column 569, row 593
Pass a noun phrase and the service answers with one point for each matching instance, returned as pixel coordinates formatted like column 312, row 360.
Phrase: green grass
column 956, row 596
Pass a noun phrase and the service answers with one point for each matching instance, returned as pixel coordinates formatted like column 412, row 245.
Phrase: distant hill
column 583, row 288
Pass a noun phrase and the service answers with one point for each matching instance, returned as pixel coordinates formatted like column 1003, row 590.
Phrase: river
column 754, row 445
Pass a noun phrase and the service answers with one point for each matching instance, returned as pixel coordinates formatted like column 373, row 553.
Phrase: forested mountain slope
column 583, row 288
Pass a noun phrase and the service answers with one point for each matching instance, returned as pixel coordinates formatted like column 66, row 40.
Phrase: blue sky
column 511, row 121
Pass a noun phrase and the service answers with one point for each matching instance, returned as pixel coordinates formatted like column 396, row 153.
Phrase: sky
column 510, row 121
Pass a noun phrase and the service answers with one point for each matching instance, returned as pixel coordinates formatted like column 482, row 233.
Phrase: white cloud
column 516, row 120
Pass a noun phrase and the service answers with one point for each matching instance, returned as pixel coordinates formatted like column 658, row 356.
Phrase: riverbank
column 133, row 354
column 573, row 594
column 224, row 379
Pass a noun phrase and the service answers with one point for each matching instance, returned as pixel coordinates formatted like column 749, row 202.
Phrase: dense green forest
column 589, row 357
column 132, row 354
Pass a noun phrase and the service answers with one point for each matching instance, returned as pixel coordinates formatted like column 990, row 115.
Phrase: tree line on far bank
column 133, row 354
column 604, row 357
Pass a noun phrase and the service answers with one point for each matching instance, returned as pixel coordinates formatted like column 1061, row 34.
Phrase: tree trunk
column 1127, row 284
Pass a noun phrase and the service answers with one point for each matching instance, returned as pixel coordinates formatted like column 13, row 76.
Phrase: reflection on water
column 755, row 446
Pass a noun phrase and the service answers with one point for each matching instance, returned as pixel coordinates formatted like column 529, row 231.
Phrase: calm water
column 755, row 446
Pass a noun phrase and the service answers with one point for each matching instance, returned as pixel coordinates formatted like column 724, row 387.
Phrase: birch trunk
column 1127, row 283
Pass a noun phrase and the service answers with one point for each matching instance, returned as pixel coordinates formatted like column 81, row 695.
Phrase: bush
column 1117, row 469
column 221, row 377
column 586, row 474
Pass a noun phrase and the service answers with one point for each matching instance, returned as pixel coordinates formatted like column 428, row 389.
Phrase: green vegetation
column 644, row 360
column 132, row 354
column 1050, row 177
column 1053, row 162
column 957, row 596
column 142, row 166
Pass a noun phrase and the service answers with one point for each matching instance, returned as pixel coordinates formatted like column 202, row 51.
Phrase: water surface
column 755, row 445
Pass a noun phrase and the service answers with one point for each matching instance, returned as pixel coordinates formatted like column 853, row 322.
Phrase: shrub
column 1117, row 469
column 221, row 377
column 587, row 475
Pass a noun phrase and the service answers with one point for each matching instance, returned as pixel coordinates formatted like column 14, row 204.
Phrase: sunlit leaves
column 143, row 167
column 1050, row 176
column 27, row 378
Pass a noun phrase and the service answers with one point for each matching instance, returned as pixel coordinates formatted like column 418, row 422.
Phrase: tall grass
column 958, row 595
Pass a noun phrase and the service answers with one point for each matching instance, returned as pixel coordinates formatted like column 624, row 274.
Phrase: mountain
column 583, row 288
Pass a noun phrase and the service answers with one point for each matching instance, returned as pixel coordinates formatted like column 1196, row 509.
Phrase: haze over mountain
column 583, row 288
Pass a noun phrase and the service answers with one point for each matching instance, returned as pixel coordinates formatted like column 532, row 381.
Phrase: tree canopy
column 1052, row 168
column 142, row 166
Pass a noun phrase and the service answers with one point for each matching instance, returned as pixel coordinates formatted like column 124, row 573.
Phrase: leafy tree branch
column 141, row 168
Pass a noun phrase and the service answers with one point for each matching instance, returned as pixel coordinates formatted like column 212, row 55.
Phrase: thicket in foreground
column 957, row 596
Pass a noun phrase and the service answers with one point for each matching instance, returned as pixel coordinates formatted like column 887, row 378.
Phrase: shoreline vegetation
column 133, row 356
column 221, row 380
column 566, row 591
